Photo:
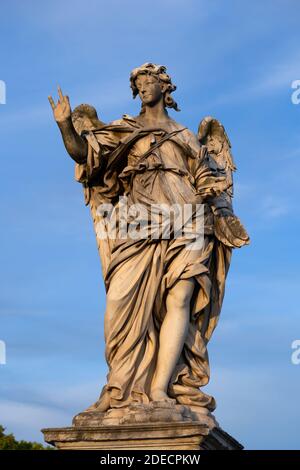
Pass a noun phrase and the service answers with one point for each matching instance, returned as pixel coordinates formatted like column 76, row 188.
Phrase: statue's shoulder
column 126, row 120
column 177, row 125
column 187, row 135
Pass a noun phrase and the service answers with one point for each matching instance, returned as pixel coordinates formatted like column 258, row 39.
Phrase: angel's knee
column 179, row 296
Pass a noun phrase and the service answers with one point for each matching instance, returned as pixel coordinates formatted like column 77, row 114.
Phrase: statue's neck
column 154, row 114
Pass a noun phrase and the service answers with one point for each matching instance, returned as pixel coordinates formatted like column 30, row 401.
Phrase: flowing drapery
column 154, row 167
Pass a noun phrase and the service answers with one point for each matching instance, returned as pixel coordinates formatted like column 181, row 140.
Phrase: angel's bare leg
column 172, row 336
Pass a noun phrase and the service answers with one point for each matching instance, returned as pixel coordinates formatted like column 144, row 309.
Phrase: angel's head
column 152, row 84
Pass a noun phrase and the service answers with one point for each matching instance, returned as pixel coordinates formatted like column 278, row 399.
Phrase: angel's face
column 150, row 89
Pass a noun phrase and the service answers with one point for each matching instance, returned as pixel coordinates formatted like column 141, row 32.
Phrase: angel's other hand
column 230, row 231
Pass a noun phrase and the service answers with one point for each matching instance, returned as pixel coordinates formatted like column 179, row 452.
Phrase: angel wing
column 228, row 228
column 85, row 118
column 212, row 134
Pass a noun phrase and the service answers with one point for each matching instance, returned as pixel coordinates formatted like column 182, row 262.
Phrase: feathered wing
column 85, row 118
column 228, row 228
column 212, row 134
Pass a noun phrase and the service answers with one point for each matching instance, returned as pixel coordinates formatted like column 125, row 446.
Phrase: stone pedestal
column 149, row 436
column 157, row 426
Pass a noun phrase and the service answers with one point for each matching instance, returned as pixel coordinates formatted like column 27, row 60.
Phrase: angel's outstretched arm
column 75, row 145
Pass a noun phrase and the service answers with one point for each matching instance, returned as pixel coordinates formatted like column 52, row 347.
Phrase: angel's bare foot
column 160, row 395
column 101, row 405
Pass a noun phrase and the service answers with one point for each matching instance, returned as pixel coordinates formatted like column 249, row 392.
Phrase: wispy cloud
column 260, row 393
column 278, row 77
column 26, row 410
column 275, row 207
column 25, row 420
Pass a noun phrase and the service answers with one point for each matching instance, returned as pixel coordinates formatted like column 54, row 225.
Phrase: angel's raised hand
column 61, row 110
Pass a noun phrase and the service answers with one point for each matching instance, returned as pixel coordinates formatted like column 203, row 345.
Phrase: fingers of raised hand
column 60, row 94
column 62, row 107
column 51, row 101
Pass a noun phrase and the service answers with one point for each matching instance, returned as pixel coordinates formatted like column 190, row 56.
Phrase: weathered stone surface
column 158, row 425
column 149, row 436
column 154, row 412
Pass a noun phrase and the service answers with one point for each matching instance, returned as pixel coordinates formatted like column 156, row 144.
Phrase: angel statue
column 163, row 297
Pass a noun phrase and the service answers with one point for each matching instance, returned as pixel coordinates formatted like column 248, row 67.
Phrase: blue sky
column 234, row 60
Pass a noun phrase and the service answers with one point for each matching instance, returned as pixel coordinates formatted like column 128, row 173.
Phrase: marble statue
column 163, row 293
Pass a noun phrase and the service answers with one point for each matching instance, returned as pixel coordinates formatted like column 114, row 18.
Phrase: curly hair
column 158, row 71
